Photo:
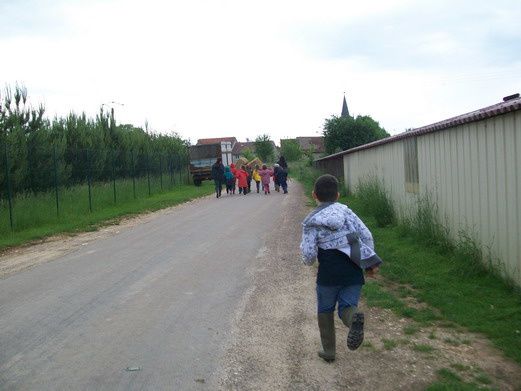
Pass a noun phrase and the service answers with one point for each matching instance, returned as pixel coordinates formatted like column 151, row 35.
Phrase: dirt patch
column 276, row 339
column 24, row 257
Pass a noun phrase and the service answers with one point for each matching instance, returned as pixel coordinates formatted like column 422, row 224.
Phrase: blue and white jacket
column 333, row 225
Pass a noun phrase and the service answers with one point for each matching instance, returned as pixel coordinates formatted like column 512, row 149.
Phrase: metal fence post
column 89, row 180
column 8, row 185
column 169, row 160
column 161, row 171
column 133, row 173
column 148, row 173
column 114, row 175
column 56, row 182
column 180, row 171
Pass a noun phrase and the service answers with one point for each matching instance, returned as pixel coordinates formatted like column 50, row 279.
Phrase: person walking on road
column 276, row 168
column 242, row 178
column 282, row 162
column 344, row 248
column 218, row 176
column 282, row 179
column 256, row 177
column 249, row 172
column 230, row 180
column 266, row 174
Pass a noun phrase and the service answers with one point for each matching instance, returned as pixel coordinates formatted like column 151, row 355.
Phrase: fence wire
column 81, row 179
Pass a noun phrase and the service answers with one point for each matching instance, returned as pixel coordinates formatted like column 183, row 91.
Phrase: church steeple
column 345, row 110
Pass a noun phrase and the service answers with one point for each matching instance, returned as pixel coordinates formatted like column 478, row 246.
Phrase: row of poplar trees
column 37, row 152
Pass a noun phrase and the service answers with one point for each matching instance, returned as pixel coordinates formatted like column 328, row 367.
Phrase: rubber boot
column 326, row 325
column 354, row 320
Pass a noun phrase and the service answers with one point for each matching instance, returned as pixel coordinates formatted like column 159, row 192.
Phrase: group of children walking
column 239, row 179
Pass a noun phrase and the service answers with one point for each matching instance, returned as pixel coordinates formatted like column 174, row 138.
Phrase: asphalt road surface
column 146, row 309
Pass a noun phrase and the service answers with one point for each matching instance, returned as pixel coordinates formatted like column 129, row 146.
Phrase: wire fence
column 50, row 184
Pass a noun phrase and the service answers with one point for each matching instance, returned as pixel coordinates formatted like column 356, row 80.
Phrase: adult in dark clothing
column 218, row 176
column 282, row 179
column 282, row 162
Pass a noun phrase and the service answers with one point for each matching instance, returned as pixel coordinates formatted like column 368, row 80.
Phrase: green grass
column 460, row 367
column 422, row 348
column 389, row 344
column 377, row 296
column 450, row 381
column 452, row 341
column 411, row 329
column 35, row 216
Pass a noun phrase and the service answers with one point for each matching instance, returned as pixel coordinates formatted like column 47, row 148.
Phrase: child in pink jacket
column 265, row 174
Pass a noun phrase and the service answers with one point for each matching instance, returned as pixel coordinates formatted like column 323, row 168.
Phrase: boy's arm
column 365, row 235
column 308, row 246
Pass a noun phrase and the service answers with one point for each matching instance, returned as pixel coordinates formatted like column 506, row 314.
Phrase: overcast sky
column 210, row 68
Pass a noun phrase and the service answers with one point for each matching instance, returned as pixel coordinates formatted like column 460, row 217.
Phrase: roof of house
column 507, row 106
column 204, row 141
column 317, row 143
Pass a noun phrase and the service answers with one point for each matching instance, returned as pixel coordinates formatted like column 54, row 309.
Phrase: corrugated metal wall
column 474, row 173
column 333, row 166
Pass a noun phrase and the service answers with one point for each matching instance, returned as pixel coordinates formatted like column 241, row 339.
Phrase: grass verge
column 450, row 381
column 75, row 216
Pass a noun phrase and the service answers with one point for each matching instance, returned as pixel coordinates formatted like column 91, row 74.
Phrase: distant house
column 312, row 143
column 315, row 144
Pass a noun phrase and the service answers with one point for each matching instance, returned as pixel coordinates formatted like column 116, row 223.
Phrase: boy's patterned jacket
column 333, row 225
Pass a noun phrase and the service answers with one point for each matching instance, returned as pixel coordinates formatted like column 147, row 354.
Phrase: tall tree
column 342, row 133
column 264, row 148
column 290, row 149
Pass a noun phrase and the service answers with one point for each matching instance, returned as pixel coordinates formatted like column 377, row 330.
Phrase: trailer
column 202, row 157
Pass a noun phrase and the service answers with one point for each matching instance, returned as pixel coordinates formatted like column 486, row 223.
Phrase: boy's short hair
column 326, row 188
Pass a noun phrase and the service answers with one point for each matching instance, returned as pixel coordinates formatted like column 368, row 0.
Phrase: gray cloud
column 446, row 35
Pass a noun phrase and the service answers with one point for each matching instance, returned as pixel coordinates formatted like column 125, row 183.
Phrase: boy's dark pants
column 257, row 183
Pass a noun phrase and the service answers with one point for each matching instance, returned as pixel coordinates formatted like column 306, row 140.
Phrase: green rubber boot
column 326, row 325
column 354, row 320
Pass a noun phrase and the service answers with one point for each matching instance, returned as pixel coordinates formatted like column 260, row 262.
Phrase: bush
column 376, row 200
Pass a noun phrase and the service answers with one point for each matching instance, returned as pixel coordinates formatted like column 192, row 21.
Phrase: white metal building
column 471, row 165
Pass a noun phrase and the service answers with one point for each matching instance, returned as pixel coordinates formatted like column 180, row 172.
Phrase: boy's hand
column 372, row 272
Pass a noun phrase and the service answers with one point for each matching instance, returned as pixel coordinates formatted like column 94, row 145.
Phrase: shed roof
column 473, row 116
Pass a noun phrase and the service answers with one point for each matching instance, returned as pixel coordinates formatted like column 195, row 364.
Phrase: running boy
column 344, row 248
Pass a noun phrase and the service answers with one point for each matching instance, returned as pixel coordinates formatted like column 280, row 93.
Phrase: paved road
column 160, row 296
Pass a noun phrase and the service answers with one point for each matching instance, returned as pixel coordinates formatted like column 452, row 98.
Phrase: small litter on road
column 132, row 369
column 200, row 380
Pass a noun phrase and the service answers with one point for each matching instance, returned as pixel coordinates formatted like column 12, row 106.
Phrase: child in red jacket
column 242, row 178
